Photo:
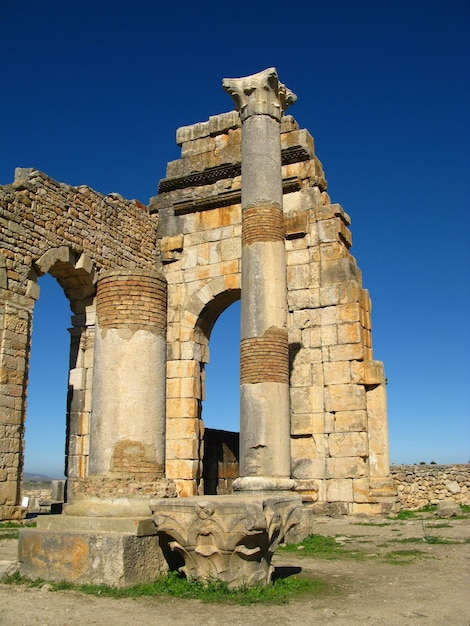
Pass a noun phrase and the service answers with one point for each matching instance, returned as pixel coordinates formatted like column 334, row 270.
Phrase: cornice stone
column 259, row 94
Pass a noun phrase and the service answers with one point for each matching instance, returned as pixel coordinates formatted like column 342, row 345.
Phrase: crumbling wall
column 420, row 485
column 72, row 233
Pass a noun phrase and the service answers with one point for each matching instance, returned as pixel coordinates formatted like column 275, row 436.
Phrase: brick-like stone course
column 265, row 359
column 420, row 485
column 133, row 300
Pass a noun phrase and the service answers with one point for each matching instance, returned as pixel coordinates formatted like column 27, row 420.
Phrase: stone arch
column 185, row 381
column 74, row 272
column 77, row 276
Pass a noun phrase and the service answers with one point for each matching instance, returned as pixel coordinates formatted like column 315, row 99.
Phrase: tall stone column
column 264, row 370
column 127, row 431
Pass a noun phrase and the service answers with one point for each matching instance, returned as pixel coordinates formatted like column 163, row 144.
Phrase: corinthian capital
column 259, row 94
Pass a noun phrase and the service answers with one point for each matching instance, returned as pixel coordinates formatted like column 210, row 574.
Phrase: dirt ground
column 430, row 587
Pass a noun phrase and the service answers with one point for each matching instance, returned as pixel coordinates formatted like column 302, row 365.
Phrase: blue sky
column 93, row 92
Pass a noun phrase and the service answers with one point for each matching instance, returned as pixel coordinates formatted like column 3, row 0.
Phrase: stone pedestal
column 228, row 538
column 118, row 552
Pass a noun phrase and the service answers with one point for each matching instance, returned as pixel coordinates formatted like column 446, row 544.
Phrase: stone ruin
column 243, row 214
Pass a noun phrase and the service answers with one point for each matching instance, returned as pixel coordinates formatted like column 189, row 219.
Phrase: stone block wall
column 420, row 485
column 339, row 444
column 72, row 233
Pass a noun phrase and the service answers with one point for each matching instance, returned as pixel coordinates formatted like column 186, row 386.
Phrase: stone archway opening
column 60, row 363
column 45, row 432
column 220, row 410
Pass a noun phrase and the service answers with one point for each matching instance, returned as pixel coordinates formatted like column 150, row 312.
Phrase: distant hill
column 37, row 478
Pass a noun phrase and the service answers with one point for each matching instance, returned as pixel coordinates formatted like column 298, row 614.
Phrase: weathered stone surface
column 448, row 508
column 420, row 485
column 228, row 538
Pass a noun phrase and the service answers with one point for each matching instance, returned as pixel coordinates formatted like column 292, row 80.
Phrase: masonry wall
column 73, row 233
column 420, row 485
column 339, row 445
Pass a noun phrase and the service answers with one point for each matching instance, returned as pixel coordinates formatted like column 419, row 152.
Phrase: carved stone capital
column 228, row 538
column 259, row 94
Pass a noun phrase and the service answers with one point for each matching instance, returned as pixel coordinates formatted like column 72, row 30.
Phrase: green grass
column 403, row 557
column 9, row 535
column 321, row 547
column 21, row 524
column 371, row 524
column 175, row 586
column 430, row 508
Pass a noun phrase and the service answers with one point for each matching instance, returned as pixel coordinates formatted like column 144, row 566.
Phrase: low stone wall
column 419, row 485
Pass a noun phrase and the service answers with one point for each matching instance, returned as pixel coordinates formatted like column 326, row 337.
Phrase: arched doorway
column 47, row 382
column 221, row 403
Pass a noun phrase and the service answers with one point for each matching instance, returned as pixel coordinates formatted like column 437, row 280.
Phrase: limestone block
column 349, row 333
column 197, row 146
column 345, row 467
column 298, row 257
column 373, row 373
column 307, row 399
column 337, row 372
column 186, row 428
column 329, row 295
column 377, row 423
column 298, row 276
column 339, row 490
column 307, row 423
column 230, row 248
column 295, row 225
column 301, row 375
column 346, row 352
column 182, row 449
column 177, row 369
column 185, row 469
column 311, row 337
column 306, row 318
column 348, row 444
column 329, row 422
column 347, row 421
column 345, row 398
column 361, row 490
column 329, row 335
column 303, row 298
column 100, row 558
column 183, row 387
column 181, row 407
column 363, row 508
column 308, row 468
column 339, row 270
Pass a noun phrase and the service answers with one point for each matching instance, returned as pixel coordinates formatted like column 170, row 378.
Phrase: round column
column 128, row 407
column 264, row 362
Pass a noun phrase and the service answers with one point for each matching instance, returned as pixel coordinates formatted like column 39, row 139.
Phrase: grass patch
column 175, row 586
column 440, row 525
column 9, row 535
column 403, row 557
column 29, row 524
column 371, row 524
column 429, row 508
column 321, row 547
column 430, row 539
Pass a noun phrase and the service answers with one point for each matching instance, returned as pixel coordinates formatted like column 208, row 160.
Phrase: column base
column 263, row 484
